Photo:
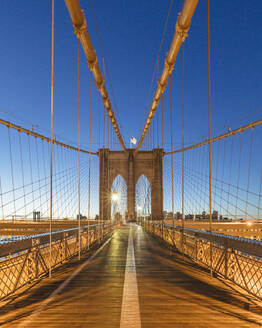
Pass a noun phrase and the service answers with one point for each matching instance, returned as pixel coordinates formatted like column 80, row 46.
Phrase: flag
column 133, row 140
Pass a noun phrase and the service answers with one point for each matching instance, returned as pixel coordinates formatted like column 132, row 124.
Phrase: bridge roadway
column 172, row 291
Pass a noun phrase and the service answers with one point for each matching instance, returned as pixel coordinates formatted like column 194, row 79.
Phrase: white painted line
column 130, row 314
column 51, row 298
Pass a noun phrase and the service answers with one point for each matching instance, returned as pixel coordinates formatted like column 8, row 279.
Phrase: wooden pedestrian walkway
column 131, row 282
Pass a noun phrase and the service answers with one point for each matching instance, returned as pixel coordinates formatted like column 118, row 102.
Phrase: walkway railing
column 236, row 259
column 25, row 261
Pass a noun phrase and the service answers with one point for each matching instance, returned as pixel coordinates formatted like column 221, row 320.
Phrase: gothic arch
column 119, row 205
column 130, row 166
column 143, row 196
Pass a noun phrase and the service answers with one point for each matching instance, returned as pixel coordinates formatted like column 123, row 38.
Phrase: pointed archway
column 130, row 166
column 143, row 197
column 118, row 198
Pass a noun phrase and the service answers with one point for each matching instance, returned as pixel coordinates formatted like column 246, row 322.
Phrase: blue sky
column 131, row 32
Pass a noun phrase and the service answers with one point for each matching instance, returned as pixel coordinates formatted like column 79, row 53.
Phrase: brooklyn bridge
column 123, row 206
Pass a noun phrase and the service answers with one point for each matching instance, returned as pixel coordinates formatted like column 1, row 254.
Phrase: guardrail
column 26, row 260
column 236, row 259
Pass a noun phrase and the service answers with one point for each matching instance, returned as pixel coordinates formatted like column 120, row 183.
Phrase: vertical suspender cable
column 216, row 180
column 149, row 138
column 230, row 173
column 222, row 178
column 153, row 165
column 31, row 171
column 103, row 173
column 171, row 142
column 209, row 139
column 99, row 127
column 157, row 131
column 162, row 123
column 183, row 142
column 44, row 171
column 89, row 159
column 111, row 135
column 249, row 170
column 104, row 127
column 12, row 171
column 238, row 174
column 78, row 130
column 38, row 174
column 103, row 164
column 109, row 191
column 157, row 112
column 52, row 136
column 153, row 136
column 259, row 196
column 22, row 169
column 103, row 158
column 2, row 205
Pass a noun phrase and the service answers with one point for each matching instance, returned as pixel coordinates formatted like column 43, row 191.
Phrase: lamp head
column 115, row 196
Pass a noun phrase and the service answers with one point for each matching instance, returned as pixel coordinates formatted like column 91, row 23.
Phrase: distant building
column 178, row 215
column 189, row 217
column 215, row 215
column 36, row 216
column 82, row 217
column 170, row 215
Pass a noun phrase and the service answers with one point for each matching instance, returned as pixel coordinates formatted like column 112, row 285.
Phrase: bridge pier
column 130, row 167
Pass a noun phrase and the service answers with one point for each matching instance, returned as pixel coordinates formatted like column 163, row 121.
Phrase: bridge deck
column 172, row 292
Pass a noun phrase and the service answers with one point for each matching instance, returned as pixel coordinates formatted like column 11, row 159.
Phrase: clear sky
column 130, row 32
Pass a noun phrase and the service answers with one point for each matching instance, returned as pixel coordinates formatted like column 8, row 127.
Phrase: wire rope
column 171, row 143
column 52, row 137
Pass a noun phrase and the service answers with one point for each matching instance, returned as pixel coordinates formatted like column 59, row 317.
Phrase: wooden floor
column 172, row 292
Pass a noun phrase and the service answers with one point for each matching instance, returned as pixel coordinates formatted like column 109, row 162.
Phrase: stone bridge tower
column 130, row 167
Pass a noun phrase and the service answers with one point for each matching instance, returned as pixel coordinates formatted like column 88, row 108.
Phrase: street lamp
column 115, row 196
